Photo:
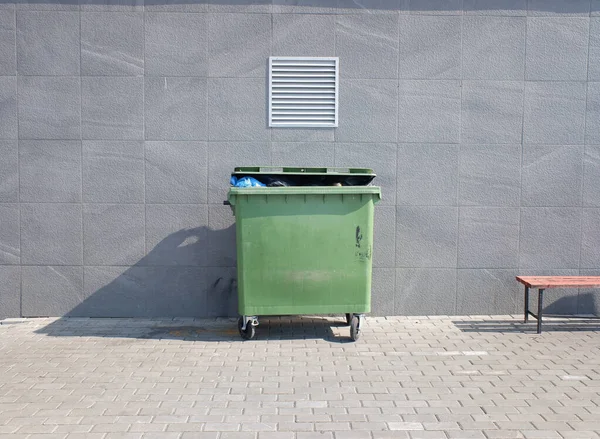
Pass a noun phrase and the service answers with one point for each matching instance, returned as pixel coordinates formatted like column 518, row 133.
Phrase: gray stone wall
column 120, row 121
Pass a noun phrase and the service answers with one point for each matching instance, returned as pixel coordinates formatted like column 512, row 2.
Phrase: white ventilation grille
column 303, row 92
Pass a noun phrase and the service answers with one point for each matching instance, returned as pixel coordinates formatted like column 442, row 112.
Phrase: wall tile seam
column 592, row 19
column 451, row 206
column 583, row 181
column 583, row 150
column 72, row 139
column 467, row 13
column 463, row 206
column 403, row 267
column 559, row 17
column 494, row 206
column 173, row 140
column 340, row 67
column 57, row 139
column 165, row 141
column 513, row 143
column 108, row 203
column 241, row 142
column 363, row 79
column 48, row 11
column 564, row 206
column 396, row 144
column 82, row 157
column 31, row 7
column 267, row 85
column 457, row 268
column 460, row 114
column 79, row 203
column 438, row 268
column 464, row 80
column 486, row 268
column 18, row 164
column 143, row 130
column 552, row 144
column 552, row 207
column 116, row 265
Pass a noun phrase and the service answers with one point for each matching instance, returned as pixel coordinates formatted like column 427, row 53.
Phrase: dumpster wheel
column 250, row 332
column 355, row 327
column 348, row 319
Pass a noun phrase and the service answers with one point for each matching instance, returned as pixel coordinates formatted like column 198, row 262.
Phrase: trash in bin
column 245, row 182
column 305, row 248
column 277, row 181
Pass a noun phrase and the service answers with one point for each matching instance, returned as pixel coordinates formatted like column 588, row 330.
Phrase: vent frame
column 329, row 81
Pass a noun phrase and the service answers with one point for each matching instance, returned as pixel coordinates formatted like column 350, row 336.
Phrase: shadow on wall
column 577, row 305
column 160, row 284
column 153, row 290
column 512, row 7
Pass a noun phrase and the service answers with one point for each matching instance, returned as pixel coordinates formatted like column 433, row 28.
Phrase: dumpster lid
column 306, row 176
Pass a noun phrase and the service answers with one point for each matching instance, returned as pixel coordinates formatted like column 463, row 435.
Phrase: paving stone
column 408, row 378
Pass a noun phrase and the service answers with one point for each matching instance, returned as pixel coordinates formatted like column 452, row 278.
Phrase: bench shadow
column 551, row 323
column 572, row 312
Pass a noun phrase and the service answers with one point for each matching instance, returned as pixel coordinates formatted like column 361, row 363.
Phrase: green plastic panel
column 304, row 250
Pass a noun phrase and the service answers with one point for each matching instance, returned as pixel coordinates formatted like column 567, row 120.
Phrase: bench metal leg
column 526, row 304
column 539, row 313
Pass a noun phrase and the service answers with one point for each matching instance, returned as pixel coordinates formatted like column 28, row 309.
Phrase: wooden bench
column 544, row 282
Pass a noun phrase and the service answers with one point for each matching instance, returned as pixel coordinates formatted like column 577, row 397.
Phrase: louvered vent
column 303, row 92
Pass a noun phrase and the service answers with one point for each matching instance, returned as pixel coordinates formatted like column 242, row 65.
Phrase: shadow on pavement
column 204, row 330
column 551, row 323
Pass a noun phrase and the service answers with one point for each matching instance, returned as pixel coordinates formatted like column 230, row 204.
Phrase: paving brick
column 405, row 426
column 161, row 435
column 314, row 435
column 408, row 377
column 237, row 435
column 198, row 435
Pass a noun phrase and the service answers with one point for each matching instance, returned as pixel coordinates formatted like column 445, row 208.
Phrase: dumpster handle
column 226, row 203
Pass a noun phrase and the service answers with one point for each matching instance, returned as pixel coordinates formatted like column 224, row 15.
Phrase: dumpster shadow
column 175, row 278
column 271, row 328
column 174, row 293
column 330, row 328
column 216, row 330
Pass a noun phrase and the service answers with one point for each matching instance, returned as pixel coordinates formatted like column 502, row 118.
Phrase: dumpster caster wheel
column 348, row 319
column 355, row 328
column 249, row 332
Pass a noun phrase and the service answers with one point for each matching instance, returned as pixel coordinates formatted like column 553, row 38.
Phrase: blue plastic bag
column 246, row 182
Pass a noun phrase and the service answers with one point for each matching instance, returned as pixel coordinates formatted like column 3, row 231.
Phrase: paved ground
column 477, row 377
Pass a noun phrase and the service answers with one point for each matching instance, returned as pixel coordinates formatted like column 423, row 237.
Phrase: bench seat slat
column 560, row 281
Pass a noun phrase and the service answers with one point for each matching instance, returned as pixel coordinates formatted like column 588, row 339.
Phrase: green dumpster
column 305, row 248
